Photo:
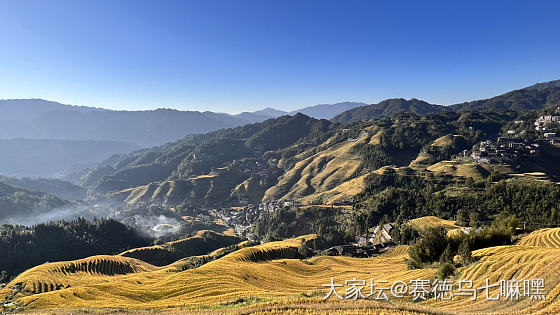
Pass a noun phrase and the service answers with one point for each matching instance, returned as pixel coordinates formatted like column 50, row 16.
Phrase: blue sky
column 233, row 56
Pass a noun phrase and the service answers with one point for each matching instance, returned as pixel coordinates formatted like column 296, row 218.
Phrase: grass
column 267, row 279
column 215, row 186
column 506, row 263
column 202, row 243
column 320, row 175
column 456, row 168
column 265, row 272
column 423, row 223
column 545, row 238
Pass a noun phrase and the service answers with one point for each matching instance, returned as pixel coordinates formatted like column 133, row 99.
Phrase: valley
column 257, row 218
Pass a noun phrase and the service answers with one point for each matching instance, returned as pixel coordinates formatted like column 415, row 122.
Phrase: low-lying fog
column 143, row 218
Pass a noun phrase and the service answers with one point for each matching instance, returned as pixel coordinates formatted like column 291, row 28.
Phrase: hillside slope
column 204, row 242
column 54, row 186
column 53, row 158
column 536, row 96
column 209, row 167
column 323, row 174
column 388, row 108
column 16, row 201
column 271, row 277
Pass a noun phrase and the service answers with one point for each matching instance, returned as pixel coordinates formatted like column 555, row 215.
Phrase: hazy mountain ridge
column 52, row 158
column 327, row 111
column 15, row 201
column 41, row 119
column 57, row 187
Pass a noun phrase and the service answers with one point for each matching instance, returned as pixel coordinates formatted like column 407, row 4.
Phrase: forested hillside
column 252, row 149
column 60, row 188
column 388, row 108
column 294, row 157
column 531, row 98
column 24, row 247
column 19, row 202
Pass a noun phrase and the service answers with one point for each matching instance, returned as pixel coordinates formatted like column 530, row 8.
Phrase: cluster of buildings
column 241, row 219
column 505, row 151
column 364, row 247
column 511, row 149
column 254, row 167
column 543, row 123
column 551, row 137
column 379, row 235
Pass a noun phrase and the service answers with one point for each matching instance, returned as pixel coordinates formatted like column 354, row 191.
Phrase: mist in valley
column 142, row 219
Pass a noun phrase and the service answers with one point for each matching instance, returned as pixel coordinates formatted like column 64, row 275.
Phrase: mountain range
column 40, row 119
column 54, row 139
column 55, row 158
column 530, row 98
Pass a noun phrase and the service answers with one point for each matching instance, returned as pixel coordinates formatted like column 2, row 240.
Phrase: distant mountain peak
column 270, row 112
column 327, row 111
column 388, row 108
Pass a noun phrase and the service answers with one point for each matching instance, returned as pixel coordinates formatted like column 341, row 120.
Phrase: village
column 513, row 148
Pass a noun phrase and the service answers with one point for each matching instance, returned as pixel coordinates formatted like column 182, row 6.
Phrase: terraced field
column 506, row 263
column 273, row 279
column 549, row 238
column 270, row 272
column 202, row 243
column 455, row 168
column 59, row 275
column 320, row 175
column 431, row 222
column 212, row 187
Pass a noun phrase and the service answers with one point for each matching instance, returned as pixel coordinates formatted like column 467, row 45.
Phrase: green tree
column 446, row 270
column 465, row 252
column 474, row 219
column 447, row 255
column 429, row 247
column 462, row 219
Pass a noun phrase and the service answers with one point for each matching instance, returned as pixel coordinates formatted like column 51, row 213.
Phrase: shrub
column 446, row 270
column 429, row 247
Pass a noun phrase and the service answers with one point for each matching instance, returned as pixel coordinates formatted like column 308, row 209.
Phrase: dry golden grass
column 200, row 244
column 544, row 238
column 268, row 279
column 506, row 263
column 292, row 306
column 376, row 138
column 260, row 273
column 431, row 222
column 421, row 160
column 399, row 250
column 173, row 191
column 443, row 141
column 455, row 168
column 55, row 276
column 347, row 189
column 319, row 175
